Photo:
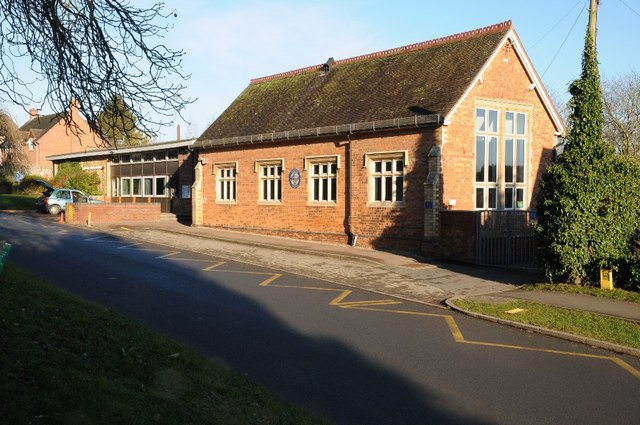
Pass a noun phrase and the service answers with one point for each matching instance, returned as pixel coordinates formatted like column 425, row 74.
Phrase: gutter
column 332, row 130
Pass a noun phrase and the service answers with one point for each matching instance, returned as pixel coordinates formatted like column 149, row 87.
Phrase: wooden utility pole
column 593, row 19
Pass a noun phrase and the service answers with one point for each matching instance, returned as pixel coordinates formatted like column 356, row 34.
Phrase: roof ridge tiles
column 396, row 50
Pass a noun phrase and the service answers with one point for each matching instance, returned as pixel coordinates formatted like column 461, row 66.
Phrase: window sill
column 386, row 204
column 321, row 204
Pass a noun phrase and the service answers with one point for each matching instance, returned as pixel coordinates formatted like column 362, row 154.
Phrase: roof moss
column 420, row 81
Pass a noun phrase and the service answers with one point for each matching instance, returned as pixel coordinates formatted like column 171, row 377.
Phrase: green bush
column 85, row 181
column 28, row 185
column 588, row 204
column 588, row 217
column 71, row 175
column 627, row 273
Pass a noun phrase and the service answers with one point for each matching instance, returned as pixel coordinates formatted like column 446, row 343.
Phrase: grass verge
column 17, row 202
column 64, row 360
column 576, row 322
column 616, row 294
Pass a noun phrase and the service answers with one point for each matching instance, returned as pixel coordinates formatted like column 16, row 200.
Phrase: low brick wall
column 458, row 235
column 100, row 213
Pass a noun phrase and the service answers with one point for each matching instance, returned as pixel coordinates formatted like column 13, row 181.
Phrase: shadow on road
column 198, row 309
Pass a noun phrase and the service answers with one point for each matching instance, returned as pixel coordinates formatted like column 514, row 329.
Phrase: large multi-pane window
column 141, row 186
column 226, row 183
column 270, row 175
column 387, row 179
column 323, row 183
column 500, row 146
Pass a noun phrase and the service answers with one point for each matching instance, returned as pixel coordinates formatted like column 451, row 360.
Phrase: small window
column 148, row 157
column 323, row 181
column 147, row 186
column 270, row 178
column 226, row 183
column 125, row 186
column 161, row 186
column 136, row 186
column 387, row 179
column 172, row 154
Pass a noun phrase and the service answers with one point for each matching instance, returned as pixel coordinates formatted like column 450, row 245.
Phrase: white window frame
column 226, row 185
column 327, row 181
column 505, row 187
column 392, row 158
column 165, row 187
column 270, row 186
column 144, row 186
column 122, row 185
column 115, row 186
column 487, row 138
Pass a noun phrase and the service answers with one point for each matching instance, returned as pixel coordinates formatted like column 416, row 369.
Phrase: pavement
column 393, row 274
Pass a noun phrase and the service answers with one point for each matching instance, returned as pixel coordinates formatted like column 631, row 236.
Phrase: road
column 352, row 356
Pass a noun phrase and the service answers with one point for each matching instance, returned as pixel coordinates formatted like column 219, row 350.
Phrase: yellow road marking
column 213, row 266
column 459, row 338
column 271, row 279
column 338, row 301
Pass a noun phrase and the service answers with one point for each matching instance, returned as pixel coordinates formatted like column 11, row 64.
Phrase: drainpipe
column 353, row 238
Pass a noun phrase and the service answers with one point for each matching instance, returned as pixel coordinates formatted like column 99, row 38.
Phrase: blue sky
column 227, row 43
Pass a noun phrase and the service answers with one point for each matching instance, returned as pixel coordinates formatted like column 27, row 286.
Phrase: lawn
column 17, row 202
column 582, row 323
column 64, row 360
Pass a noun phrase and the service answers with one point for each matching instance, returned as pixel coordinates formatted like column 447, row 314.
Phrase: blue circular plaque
column 294, row 178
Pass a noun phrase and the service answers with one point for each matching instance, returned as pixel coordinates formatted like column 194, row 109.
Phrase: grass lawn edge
column 618, row 348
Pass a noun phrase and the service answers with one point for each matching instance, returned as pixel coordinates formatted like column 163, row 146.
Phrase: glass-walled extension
column 146, row 177
column 156, row 172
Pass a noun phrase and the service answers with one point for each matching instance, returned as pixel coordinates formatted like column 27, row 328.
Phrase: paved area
column 416, row 279
column 377, row 271
column 409, row 278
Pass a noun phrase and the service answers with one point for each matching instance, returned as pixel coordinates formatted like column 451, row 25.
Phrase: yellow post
column 89, row 219
column 606, row 279
column 69, row 216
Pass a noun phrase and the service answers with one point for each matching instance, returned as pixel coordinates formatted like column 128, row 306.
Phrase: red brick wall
column 381, row 227
column 113, row 213
column 458, row 235
column 504, row 80
column 399, row 227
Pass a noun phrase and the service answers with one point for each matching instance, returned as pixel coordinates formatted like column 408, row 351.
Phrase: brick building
column 153, row 173
column 47, row 135
column 375, row 149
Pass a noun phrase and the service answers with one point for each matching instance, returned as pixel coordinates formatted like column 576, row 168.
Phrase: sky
column 227, row 43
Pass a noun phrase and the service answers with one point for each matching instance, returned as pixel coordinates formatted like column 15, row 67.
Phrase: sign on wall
column 294, row 178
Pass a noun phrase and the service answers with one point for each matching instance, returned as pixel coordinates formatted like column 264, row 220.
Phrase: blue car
column 54, row 201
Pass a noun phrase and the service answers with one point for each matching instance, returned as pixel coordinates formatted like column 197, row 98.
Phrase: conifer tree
column 587, row 204
column 118, row 124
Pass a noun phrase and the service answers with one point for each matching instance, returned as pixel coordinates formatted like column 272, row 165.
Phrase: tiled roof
column 40, row 124
column 418, row 80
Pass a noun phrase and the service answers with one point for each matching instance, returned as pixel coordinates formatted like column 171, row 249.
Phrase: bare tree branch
column 90, row 51
column 621, row 99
